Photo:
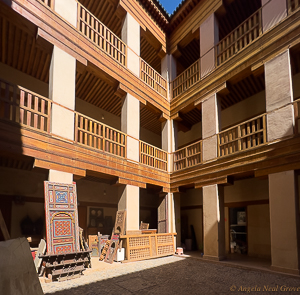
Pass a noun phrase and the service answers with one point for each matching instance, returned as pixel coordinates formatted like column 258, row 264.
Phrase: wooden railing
column 188, row 156
column 153, row 78
column 49, row 3
column 24, row 107
column 99, row 136
column 153, row 156
column 293, row 5
column 186, row 79
column 239, row 38
column 99, row 34
column 297, row 116
column 246, row 135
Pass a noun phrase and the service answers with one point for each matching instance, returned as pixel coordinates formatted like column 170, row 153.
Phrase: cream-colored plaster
column 227, row 230
column 258, row 228
column 210, row 116
column 62, row 122
column 150, row 137
column 133, row 149
column 207, row 63
column 62, row 78
column 133, row 62
column 280, row 123
column 213, row 222
column 130, row 33
column 283, row 220
column 278, row 81
column 61, row 177
column 210, row 148
column 16, row 77
column 209, row 34
column 129, row 201
column 67, row 9
column 168, row 67
column 272, row 13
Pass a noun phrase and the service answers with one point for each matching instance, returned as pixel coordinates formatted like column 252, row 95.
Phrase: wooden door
column 162, row 213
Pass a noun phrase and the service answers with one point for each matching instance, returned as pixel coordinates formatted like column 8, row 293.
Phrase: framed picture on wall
column 95, row 217
column 241, row 217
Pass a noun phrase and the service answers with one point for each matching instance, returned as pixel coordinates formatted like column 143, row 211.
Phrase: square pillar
column 210, row 127
column 130, row 201
column 62, row 92
column 130, row 124
column 284, row 215
column 272, row 13
column 279, row 95
column 60, row 177
column 209, row 37
column 67, row 9
column 169, row 140
column 169, row 71
column 213, row 222
column 177, row 218
column 130, row 34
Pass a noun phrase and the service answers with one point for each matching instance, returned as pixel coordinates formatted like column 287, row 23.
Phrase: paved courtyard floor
column 174, row 275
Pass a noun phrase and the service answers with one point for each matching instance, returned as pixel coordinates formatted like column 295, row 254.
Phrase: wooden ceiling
column 16, row 161
column 149, row 54
column 19, row 47
column 189, row 54
column 149, row 120
column 192, row 117
column 106, row 11
column 243, row 89
column 236, row 12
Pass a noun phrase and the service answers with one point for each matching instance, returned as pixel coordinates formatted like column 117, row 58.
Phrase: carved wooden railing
column 94, row 134
column 239, row 38
column 188, row 156
column 49, row 3
column 24, row 107
column 246, row 135
column 153, row 78
column 186, row 79
column 293, row 5
column 297, row 116
column 100, row 35
column 153, row 156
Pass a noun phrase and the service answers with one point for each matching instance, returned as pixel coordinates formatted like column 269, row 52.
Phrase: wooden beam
column 122, row 181
column 120, row 91
column 219, row 89
column 264, row 172
column 42, row 34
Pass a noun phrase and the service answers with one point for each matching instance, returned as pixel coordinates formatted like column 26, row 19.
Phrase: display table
column 145, row 246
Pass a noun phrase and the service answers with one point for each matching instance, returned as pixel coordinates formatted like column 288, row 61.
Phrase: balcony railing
column 153, row 156
column 99, row 136
column 49, row 3
column 239, row 38
column 100, row 35
column 293, row 5
column 24, row 107
column 153, row 78
column 188, row 156
column 246, row 135
column 186, row 79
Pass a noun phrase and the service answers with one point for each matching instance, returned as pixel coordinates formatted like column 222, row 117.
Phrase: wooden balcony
column 24, row 107
column 49, row 3
column 153, row 156
column 100, row 35
column 188, row 156
column 153, row 78
column 239, row 38
column 186, row 79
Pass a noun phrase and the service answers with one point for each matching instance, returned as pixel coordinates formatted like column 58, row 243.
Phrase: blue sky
column 170, row 5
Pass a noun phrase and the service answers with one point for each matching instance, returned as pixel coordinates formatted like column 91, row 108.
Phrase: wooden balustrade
column 293, row 5
column 246, row 135
column 153, row 78
column 49, row 3
column 186, row 79
column 188, row 156
column 297, row 116
column 100, row 35
column 99, row 136
column 153, row 156
column 239, row 38
column 24, row 107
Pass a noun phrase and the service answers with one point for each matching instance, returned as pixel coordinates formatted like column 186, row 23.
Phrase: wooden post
column 4, row 228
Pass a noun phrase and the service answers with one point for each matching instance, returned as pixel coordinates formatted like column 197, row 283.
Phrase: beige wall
column 13, row 76
column 194, row 134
